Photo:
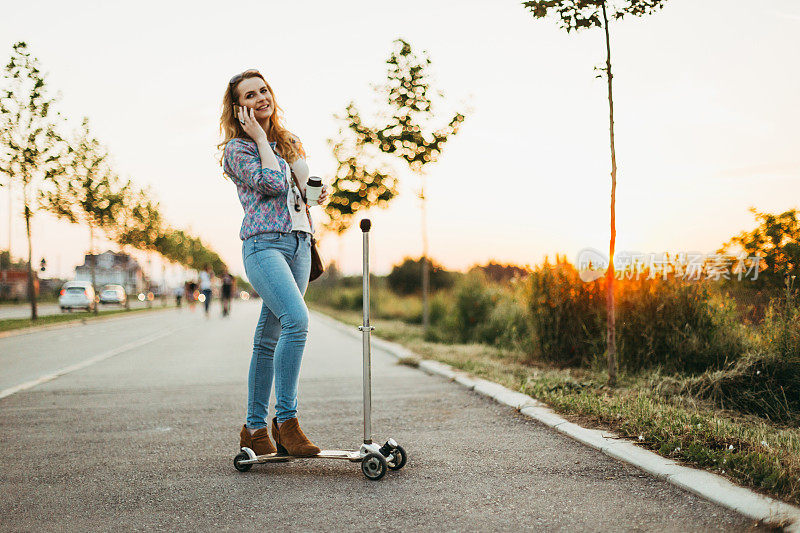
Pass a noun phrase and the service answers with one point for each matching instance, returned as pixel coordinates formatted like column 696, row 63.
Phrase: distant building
column 112, row 268
column 14, row 284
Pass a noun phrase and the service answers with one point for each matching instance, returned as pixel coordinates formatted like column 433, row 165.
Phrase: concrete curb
column 705, row 484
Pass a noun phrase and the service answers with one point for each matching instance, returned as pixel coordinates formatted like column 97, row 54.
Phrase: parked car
column 77, row 295
column 113, row 294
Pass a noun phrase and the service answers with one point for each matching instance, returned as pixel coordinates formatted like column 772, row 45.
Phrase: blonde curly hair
column 288, row 145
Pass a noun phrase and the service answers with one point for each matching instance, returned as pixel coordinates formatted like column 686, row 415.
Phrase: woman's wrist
column 268, row 158
column 300, row 169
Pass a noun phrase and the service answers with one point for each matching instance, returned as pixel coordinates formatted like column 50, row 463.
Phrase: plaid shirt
column 262, row 192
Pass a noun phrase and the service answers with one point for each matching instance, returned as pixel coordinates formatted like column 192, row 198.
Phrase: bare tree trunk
column 163, row 283
column 126, row 279
column 424, row 261
column 31, row 286
column 611, row 341
column 340, row 252
column 10, row 218
column 149, row 286
column 94, row 263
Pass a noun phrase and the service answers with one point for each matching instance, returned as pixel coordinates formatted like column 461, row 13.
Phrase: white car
column 77, row 295
column 113, row 294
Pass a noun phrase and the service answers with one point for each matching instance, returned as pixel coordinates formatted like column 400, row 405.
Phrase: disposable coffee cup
column 313, row 190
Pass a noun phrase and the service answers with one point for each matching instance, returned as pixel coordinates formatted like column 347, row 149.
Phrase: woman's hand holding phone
column 253, row 129
column 250, row 125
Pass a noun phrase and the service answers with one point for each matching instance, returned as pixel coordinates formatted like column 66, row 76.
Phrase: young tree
column 32, row 148
column 776, row 241
column 360, row 183
column 577, row 15
column 89, row 192
column 139, row 223
column 409, row 133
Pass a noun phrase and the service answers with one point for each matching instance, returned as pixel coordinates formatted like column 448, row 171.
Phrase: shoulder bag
column 317, row 268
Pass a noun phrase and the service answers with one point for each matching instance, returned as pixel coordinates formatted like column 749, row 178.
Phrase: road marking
column 83, row 364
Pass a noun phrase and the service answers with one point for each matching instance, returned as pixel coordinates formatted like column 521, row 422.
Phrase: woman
column 259, row 157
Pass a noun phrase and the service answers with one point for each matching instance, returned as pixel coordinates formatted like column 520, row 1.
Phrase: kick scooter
column 374, row 459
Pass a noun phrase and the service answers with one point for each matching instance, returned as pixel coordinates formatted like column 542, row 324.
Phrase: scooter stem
column 365, row 331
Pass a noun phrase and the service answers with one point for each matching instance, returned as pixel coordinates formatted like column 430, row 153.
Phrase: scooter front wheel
column 374, row 466
column 399, row 460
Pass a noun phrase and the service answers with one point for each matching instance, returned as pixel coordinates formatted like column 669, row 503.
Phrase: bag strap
column 297, row 184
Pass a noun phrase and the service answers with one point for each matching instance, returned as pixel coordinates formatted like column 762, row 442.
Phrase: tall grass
column 676, row 326
column 566, row 314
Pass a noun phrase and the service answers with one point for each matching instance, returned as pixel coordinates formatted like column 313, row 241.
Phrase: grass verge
column 746, row 449
column 10, row 324
column 10, row 303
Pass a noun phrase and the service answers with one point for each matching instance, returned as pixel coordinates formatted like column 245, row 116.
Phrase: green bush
column 337, row 297
column 442, row 324
column 780, row 331
column 388, row 304
column 440, row 305
column 508, row 324
column 473, row 301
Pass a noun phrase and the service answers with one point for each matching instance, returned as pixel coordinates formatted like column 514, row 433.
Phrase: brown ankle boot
column 258, row 442
column 291, row 440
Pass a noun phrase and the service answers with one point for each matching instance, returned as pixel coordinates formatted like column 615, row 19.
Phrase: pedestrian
column 179, row 290
column 228, row 285
column 205, row 286
column 191, row 294
column 260, row 156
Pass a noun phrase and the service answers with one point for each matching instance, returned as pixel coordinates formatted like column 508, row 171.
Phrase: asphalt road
column 142, row 438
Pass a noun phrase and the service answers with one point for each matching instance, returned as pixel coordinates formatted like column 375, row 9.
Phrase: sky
column 707, row 120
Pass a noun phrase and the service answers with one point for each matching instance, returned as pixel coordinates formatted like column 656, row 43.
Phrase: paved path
column 144, row 439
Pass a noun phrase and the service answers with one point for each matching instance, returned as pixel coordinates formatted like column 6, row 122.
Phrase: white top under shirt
column 205, row 281
column 299, row 218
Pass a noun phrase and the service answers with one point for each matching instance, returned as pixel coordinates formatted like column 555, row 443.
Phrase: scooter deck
column 324, row 454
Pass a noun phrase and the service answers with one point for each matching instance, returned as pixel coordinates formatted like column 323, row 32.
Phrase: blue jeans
column 277, row 265
column 207, row 302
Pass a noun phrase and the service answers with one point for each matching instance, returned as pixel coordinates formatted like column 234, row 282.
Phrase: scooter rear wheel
column 242, row 456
